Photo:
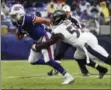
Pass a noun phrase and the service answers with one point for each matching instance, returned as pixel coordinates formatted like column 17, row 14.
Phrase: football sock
column 94, row 65
column 100, row 68
column 52, row 63
column 108, row 60
column 82, row 66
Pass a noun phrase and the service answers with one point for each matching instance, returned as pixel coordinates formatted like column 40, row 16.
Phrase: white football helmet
column 16, row 12
column 66, row 8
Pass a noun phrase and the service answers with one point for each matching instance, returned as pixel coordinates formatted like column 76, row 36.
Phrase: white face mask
column 13, row 18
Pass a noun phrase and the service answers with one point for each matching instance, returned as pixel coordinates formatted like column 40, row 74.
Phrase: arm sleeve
column 51, row 41
column 30, row 18
column 35, row 19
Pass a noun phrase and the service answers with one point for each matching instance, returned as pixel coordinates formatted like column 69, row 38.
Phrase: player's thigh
column 93, row 41
column 79, row 54
column 48, row 53
column 34, row 56
column 97, row 52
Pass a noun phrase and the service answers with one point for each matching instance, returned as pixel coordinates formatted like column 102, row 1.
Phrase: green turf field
column 22, row 75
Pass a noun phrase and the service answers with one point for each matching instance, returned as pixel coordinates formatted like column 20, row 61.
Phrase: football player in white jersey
column 63, row 47
column 85, row 42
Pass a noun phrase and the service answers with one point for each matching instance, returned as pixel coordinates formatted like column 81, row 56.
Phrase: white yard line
column 58, row 76
column 14, row 61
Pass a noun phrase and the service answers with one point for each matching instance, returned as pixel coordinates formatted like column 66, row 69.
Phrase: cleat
column 52, row 72
column 68, row 79
column 101, row 74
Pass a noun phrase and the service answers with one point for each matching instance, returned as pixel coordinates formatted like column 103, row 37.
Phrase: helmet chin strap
column 19, row 17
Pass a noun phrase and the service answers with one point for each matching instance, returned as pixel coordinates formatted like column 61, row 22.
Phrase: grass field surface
column 21, row 75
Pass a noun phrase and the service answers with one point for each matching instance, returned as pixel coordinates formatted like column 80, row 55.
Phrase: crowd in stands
column 84, row 10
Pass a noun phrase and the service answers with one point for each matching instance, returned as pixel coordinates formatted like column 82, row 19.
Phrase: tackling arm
column 51, row 41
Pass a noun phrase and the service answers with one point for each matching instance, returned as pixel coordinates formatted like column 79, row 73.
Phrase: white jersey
column 81, row 40
column 71, row 34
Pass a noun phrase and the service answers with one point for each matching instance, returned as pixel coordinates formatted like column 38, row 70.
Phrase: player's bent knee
column 31, row 61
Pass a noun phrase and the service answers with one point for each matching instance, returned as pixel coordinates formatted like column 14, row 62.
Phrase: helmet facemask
column 13, row 17
column 58, row 17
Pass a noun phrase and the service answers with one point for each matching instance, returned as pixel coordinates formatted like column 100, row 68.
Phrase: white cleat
column 68, row 79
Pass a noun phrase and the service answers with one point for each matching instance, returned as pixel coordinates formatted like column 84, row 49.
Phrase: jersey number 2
column 71, row 30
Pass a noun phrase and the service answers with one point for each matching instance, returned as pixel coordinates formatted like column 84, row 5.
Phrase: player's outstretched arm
column 42, row 21
column 46, row 44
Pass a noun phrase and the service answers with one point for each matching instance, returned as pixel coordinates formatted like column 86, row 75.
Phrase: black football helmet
column 58, row 17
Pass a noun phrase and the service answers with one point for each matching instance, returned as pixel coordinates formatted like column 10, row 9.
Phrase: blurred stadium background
column 87, row 11
column 91, row 13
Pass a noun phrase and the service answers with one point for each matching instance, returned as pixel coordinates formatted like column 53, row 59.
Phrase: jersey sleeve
column 30, row 18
